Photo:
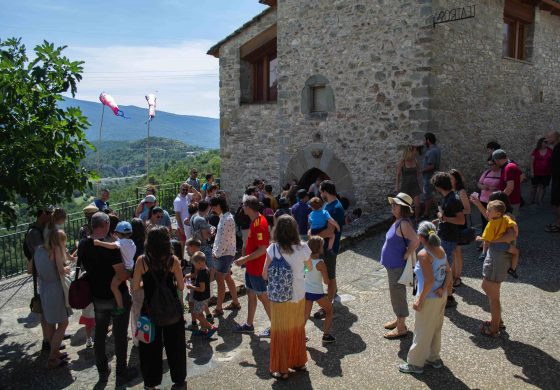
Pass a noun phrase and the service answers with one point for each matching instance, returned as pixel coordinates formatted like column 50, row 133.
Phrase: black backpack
column 26, row 251
column 164, row 306
column 241, row 219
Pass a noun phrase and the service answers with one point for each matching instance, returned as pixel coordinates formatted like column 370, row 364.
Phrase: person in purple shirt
column 300, row 211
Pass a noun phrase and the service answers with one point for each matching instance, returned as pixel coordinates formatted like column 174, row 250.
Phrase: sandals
column 486, row 331
column 394, row 334
column 217, row 313
column 552, row 228
column 457, row 282
column 233, row 306
column 279, row 376
column 390, row 325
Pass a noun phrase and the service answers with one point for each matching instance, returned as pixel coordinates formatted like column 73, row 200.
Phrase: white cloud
column 184, row 76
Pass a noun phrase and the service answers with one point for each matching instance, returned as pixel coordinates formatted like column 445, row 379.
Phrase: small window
column 319, row 99
column 517, row 29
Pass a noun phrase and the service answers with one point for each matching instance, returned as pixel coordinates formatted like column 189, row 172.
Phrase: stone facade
column 392, row 77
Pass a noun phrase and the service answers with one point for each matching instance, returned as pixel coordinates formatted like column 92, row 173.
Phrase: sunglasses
column 159, row 216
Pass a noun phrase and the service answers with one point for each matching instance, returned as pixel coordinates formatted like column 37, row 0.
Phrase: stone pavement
column 526, row 356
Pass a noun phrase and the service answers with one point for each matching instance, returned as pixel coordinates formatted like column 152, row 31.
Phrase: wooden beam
column 257, row 42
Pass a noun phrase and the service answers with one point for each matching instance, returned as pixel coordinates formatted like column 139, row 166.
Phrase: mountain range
column 192, row 130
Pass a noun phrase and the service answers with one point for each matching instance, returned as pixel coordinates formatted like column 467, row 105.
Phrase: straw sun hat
column 401, row 199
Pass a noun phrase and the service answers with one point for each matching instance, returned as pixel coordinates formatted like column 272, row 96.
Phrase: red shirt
column 258, row 236
column 542, row 164
column 510, row 171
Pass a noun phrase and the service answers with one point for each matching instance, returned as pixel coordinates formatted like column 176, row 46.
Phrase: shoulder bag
column 79, row 293
column 407, row 277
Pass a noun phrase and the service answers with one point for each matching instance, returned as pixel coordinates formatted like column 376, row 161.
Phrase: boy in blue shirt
column 321, row 223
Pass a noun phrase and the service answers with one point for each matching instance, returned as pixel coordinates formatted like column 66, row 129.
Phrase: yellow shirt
column 496, row 228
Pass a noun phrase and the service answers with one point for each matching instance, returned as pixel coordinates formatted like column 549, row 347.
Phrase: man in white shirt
column 181, row 208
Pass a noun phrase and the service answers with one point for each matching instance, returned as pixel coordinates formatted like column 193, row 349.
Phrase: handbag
column 35, row 304
column 79, row 293
column 145, row 330
column 407, row 277
column 466, row 235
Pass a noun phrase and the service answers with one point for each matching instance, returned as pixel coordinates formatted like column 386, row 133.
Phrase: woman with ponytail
column 434, row 278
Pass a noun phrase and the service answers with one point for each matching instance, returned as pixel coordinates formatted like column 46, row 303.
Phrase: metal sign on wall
column 455, row 14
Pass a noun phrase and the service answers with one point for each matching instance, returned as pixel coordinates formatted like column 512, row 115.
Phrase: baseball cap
column 150, row 199
column 123, row 227
column 499, row 154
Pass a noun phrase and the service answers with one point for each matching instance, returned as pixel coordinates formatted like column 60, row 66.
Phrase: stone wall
column 477, row 95
column 248, row 144
column 392, row 76
column 374, row 55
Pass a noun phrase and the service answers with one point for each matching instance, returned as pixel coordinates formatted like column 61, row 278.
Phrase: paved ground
column 526, row 356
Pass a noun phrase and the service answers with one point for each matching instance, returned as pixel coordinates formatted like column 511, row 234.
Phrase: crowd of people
column 141, row 276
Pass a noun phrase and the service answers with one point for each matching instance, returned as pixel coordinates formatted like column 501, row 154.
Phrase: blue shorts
column 449, row 247
column 255, row 283
column 313, row 297
column 223, row 264
column 428, row 189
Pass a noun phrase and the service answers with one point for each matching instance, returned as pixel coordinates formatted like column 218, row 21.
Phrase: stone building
column 338, row 88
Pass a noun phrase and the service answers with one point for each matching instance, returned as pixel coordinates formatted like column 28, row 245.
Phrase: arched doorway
column 316, row 159
column 310, row 176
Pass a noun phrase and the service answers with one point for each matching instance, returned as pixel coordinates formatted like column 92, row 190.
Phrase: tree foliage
column 41, row 145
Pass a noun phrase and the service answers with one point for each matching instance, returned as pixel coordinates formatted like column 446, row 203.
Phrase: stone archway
column 310, row 176
column 318, row 158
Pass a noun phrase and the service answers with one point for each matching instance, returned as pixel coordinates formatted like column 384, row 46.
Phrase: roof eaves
column 215, row 50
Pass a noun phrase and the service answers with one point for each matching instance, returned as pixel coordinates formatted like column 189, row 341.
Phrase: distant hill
column 128, row 158
column 192, row 130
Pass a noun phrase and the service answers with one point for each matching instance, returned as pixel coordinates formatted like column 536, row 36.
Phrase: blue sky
column 132, row 48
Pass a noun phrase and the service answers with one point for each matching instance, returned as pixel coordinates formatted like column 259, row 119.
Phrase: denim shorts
column 313, row 297
column 428, row 188
column 223, row 264
column 449, row 247
column 255, row 283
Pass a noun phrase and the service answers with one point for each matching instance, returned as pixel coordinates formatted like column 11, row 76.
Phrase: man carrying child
column 102, row 265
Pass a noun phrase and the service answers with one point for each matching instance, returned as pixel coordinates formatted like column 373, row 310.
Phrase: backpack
column 241, row 219
column 164, row 306
column 26, row 251
column 280, row 278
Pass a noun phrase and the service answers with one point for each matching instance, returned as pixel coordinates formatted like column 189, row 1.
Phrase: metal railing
column 12, row 258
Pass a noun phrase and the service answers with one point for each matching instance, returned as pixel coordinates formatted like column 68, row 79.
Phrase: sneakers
column 410, row 369
column 244, row 328
column 451, row 302
column 89, row 342
column 124, row 377
column 266, row 333
column 435, row 364
column 328, row 338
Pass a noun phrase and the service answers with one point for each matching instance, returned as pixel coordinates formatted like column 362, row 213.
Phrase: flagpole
column 148, row 153
column 99, row 148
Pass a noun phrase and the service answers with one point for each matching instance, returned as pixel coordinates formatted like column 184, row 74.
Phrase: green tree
column 41, row 145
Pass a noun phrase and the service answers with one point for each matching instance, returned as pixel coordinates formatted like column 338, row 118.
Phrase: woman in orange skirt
column 287, row 319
